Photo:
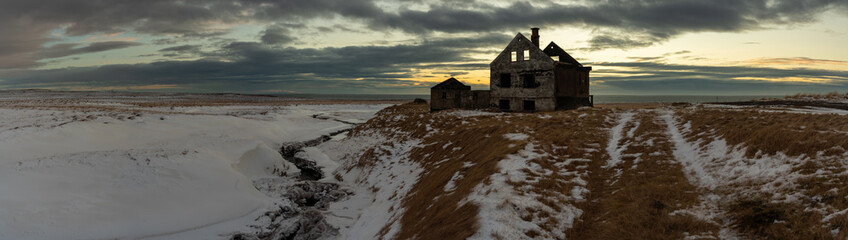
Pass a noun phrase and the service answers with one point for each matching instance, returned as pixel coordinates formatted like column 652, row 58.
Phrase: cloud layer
column 26, row 41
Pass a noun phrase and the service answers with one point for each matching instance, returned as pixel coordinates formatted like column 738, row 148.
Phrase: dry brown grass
column 432, row 213
column 566, row 135
column 636, row 206
column 771, row 132
column 631, row 106
column 633, row 200
column 819, row 140
column 828, row 96
column 426, row 216
column 758, row 218
column 630, row 201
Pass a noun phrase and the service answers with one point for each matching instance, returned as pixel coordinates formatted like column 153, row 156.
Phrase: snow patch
column 451, row 185
column 616, row 134
column 378, row 189
column 502, row 206
column 516, row 136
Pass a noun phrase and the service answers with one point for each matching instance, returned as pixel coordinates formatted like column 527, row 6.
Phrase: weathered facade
column 453, row 94
column 447, row 94
column 523, row 78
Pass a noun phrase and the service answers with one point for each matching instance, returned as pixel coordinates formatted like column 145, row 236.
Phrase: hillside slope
column 694, row 172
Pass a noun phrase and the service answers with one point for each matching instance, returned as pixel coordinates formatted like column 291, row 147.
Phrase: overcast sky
column 668, row 47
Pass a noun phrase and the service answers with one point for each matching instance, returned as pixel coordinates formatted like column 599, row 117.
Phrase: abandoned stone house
column 523, row 78
column 453, row 94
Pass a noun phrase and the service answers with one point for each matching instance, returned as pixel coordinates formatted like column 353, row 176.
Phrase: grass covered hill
column 610, row 172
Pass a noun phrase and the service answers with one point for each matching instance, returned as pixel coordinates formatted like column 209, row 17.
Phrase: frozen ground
column 655, row 172
column 94, row 165
column 147, row 166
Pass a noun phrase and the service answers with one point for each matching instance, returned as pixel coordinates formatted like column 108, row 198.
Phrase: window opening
column 506, row 80
column 529, row 105
column 504, row 104
column 529, row 80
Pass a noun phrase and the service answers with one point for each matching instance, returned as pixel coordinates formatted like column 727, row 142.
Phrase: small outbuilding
column 454, row 94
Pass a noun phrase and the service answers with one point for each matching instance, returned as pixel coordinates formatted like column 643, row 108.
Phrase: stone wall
column 538, row 66
column 446, row 98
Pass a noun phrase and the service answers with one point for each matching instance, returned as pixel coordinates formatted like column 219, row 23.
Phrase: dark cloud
column 662, row 57
column 277, row 35
column 62, row 50
column 253, row 66
column 21, row 58
column 182, row 51
column 174, row 16
column 26, row 41
column 621, row 41
column 25, row 24
column 645, row 21
column 621, row 24
column 659, row 78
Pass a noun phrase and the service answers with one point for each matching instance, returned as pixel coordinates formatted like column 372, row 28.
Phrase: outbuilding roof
column 452, row 83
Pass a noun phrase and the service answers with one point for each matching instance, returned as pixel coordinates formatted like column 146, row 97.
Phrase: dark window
column 506, row 80
column 504, row 104
column 529, row 80
column 444, row 95
column 529, row 105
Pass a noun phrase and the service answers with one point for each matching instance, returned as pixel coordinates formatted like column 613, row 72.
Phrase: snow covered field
column 131, row 166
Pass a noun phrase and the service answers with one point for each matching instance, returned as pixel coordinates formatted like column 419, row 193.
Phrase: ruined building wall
column 540, row 90
column 572, row 86
column 476, row 99
column 446, row 98
column 571, row 81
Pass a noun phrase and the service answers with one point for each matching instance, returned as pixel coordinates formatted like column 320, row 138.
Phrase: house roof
column 554, row 50
column 518, row 42
column 452, row 83
column 551, row 50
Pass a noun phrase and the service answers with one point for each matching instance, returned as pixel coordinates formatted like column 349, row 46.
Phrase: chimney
column 535, row 36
